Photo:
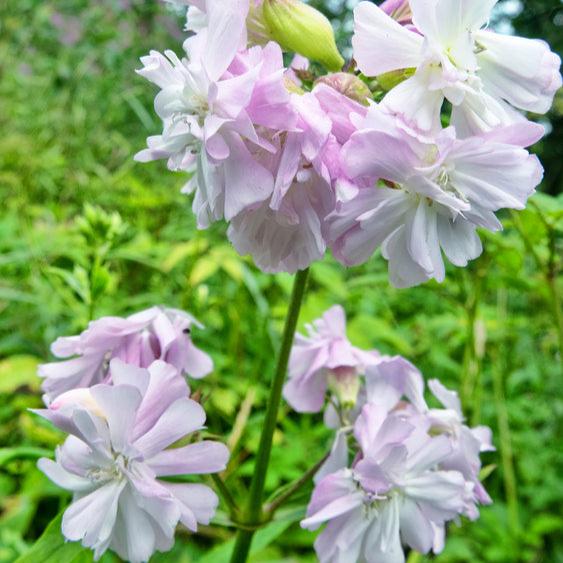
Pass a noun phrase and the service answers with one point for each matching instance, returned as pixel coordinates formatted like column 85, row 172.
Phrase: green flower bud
column 344, row 383
column 300, row 28
column 348, row 85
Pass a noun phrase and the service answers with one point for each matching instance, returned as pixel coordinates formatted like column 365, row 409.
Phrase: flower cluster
column 298, row 163
column 154, row 334
column 124, row 401
column 398, row 470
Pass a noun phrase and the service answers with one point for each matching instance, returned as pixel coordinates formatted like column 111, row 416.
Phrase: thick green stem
column 253, row 513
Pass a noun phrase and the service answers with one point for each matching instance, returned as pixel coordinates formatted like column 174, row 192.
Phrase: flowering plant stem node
column 253, row 511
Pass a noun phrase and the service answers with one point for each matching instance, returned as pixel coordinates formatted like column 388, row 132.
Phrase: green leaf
column 203, row 270
column 51, row 547
column 22, row 452
column 17, row 371
column 76, row 280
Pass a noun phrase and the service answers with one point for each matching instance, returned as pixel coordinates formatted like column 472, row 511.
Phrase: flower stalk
column 293, row 487
column 254, row 510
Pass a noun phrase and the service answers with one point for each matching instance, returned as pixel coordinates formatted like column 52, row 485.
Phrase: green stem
column 253, row 513
column 225, row 494
column 293, row 487
column 505, row 438
column 414, row 557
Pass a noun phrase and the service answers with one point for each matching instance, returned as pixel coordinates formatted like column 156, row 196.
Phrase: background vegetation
column 85, row 232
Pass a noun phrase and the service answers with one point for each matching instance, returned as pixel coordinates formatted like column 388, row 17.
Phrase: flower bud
column 348, row 85
column 345, row 384
column 300, row 28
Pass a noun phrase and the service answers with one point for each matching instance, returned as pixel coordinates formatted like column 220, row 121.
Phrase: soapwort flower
column 157, row 333
column 118, row 452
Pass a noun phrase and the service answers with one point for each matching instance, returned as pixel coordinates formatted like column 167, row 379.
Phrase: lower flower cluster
column 132, row 430
column 398, row 470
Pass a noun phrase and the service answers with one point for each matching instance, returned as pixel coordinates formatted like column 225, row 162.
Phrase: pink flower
column 391, row 384
column 284, row 233
column 392, row 379
column 215, row 118
column 322, row 359
column 468, row 443
column 139, row 339
column 392, row 495
column 343, row 110
column 224, row 20
column 433, row 195
column 298, row 63
column 118, row 450
column 399, row 10
column 484, row 75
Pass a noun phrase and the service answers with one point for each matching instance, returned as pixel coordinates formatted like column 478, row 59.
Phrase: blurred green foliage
column 85, row 232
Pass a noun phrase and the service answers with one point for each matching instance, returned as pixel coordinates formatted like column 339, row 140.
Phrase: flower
column 224, row 188
column 484, row 75
column 467, row 443
column 432, row 196
column 392, row 495
column 324, row 359
column 156, row 333
column 214, row 116
column 284, row 233
column 118, row 450
column 242, row 19
column 390, row 380
column 399, row 10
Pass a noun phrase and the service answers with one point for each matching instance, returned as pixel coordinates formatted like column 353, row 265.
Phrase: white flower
column 118, row 450
column 481, row 73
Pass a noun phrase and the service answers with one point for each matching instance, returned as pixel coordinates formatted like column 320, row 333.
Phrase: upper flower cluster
column 124, row 401
column 297, row 166
column 398, row 469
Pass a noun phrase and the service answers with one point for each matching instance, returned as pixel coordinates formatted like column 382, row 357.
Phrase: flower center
column 444, row 181
column 111, row 472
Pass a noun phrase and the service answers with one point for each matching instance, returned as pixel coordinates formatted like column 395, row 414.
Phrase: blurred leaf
column 203, row 270
column 18, row 371
column 51, row 547
column 22, row 452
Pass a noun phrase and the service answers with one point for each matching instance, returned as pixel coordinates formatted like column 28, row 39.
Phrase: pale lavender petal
column 338, row 458
column 416, row 529
column 381, row 44
column 449, row 399
column 202, row 457
column 91, row 518
column 63, row 478
column 199, row 503
column 182, row 417
column 166, row 385
column 119, row 404
column 131, row 375
column 134, row 537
